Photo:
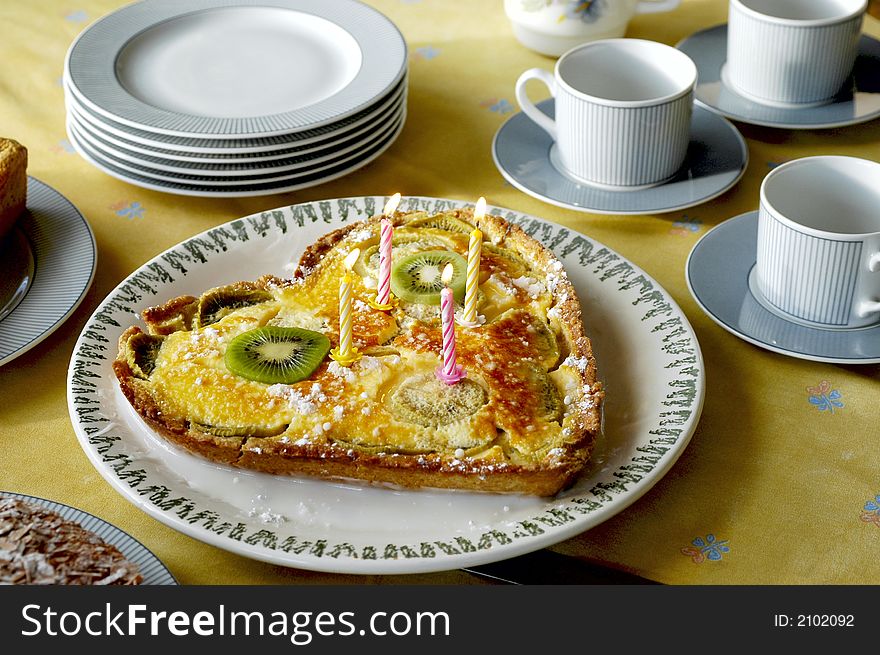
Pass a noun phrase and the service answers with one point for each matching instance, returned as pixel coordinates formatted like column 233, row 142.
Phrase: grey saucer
column 716, row 160
column 717, row 273
column 858, row 102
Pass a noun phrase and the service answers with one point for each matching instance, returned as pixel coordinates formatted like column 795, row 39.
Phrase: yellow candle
column 346, row 354
column 472, row 280
column 345, row 316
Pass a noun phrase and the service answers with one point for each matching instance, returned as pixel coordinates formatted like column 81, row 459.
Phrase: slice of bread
column 13, row 182
column 524, row 420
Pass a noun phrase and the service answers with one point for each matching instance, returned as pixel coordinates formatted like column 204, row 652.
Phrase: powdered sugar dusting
column 342, row 372
column 302, row 403
column 530, row 285
column 360, row 234
column 580, row 363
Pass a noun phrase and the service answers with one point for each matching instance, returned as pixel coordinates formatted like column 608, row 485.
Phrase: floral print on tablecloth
column 708, row 548
column 824, row 398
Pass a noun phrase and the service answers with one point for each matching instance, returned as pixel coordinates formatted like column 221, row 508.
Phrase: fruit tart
column 244, row 374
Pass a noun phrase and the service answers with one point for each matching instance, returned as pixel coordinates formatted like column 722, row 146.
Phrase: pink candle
column 383, row 300
column 450, row 372
column 383, row 289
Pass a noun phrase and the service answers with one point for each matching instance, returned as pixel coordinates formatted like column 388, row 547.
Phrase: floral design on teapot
column 587, row 11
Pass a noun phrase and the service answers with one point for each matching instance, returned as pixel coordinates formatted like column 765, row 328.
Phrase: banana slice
column 496, row 258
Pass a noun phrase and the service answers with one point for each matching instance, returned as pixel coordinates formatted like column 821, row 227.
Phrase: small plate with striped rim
column 717, row 273
column 64, row 254
column 152, row 570
column 716, row 160
column 858, row 101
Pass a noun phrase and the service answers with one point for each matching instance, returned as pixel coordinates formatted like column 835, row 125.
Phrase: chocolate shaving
column 40, row 547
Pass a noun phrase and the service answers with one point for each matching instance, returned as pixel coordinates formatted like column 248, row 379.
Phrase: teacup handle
column 870, row 306
column 649, row 7
column 529, row 109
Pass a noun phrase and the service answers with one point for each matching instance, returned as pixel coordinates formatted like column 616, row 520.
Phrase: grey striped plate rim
column 264, row 145
column 65, row 258
column 152, row 569
column 292, row 183
column 292, row 163
column 139, row 149
column 210, row 179
column 90, row 68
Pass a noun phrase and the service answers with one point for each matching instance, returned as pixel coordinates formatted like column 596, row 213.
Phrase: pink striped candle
column 383, row 299
column 450, row 372
column 383, row 289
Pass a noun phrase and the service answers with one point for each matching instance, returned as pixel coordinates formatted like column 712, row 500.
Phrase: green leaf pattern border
column 97, row 344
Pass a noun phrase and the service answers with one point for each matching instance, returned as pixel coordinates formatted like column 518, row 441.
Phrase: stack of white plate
column 235, row 97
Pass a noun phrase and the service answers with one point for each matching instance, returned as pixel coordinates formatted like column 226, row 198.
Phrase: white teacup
column 818, row 257
column 552, row 27
column 623, row 111
column 792, row 52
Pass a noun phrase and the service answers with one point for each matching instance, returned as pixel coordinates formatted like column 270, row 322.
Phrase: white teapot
column 552, row 27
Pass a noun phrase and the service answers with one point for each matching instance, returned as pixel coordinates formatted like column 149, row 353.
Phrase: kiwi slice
column 416, row 278
column 141, row 352
column 443, row 222
column 367, row 264
column 217, row 303
column 239, row 431
column 424, row 400
column 274, row 354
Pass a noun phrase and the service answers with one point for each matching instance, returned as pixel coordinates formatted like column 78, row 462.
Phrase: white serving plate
column 649, row 361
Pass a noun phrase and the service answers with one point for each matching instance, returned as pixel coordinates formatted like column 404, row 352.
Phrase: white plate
column 235, row 68
column 235, row 186
column 264, row 146
column 288, row 165
column 152, row 570
column 647, row 353
column 65, row 256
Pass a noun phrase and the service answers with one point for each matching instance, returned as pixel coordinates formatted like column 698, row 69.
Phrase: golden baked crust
column 530, row 367
column 13, row 182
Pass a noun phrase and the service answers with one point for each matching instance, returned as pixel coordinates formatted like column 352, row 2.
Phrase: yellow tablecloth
column 772, row 488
